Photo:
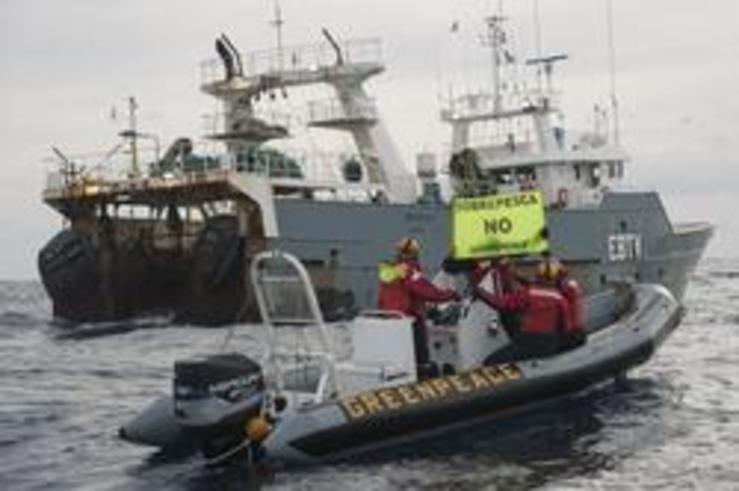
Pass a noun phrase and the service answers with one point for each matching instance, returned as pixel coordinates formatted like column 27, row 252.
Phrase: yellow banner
column 499, row 225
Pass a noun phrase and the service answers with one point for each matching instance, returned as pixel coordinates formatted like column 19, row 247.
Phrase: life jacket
column 572, row 292
column 393, row 296
column 403, row 288
column 546, row 311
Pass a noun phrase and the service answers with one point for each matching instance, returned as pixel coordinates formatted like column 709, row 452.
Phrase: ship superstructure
column 513, row 136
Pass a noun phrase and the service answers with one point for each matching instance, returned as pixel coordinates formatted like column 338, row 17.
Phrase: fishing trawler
column 179, row 234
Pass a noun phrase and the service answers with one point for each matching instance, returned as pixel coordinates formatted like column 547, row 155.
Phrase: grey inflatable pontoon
column 333, row 391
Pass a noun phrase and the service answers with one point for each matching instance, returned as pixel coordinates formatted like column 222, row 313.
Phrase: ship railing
column 299, row 166
column 94, row 167
column 216, row 122
column 285, row 162
column 482, row 105
column 332, row 110
column 585, row 140
column 310, row 57
column 473, row 104
column 501, row 147
column 494, row 151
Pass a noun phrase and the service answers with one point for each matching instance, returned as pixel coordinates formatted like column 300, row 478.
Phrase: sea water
column 673, row 425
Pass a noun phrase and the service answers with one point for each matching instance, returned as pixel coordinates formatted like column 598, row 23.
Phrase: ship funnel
column 230, row 56
column 335, row 45
column 228, row 61
column 235, row 55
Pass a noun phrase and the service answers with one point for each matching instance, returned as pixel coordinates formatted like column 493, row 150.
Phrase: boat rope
column 222, row 457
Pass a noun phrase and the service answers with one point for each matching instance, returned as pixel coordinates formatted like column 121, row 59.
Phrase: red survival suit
column 403, row 289
column 574, row 332
column 502, row 275
column 544, row 315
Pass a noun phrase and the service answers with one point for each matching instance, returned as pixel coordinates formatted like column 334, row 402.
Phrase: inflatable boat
column 322, row 393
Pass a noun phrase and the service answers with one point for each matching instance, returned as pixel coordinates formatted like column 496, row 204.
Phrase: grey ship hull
column 627, row 238
column 362, row 235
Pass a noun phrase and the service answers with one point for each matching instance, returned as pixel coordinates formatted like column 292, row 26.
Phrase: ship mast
column 537, row 42
column 495, row 38
column 133, row 136
column 278, row 24
column 612, row 71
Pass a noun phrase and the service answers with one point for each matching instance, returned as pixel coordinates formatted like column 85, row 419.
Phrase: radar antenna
column 545, row 64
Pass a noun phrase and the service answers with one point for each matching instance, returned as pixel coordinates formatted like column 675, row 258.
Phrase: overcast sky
column 65, row 63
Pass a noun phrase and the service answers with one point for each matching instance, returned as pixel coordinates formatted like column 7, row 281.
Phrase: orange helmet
column 550, row 270
column 408, row 246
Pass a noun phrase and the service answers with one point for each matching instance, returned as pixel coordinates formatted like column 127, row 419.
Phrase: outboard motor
column 232, row 378
column 213, row 399
column 215, row 396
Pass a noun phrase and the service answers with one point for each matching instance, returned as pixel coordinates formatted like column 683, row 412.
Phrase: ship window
column 603, row 280
column 623, row 226
column 526, row 176
column 503, row 177
column 612, row 170
column 578, row 172
column 595, row 175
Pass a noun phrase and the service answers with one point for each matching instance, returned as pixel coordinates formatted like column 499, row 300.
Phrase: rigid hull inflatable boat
column 323, row 405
